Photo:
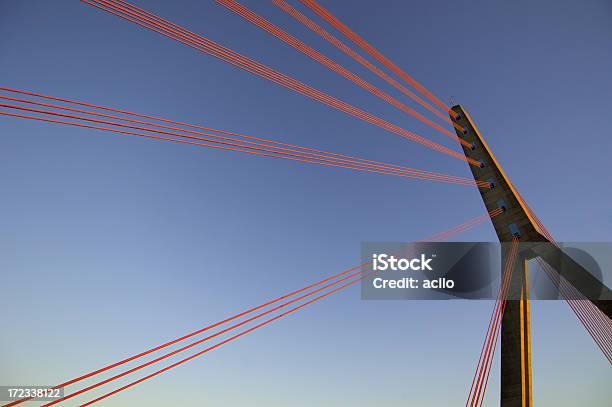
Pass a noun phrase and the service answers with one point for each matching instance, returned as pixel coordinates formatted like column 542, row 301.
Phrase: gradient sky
column 110, row 245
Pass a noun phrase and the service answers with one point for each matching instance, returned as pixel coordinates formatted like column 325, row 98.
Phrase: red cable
column 199, row 127
column 486, row 356
column 199, row 341
column 291, row 146
column 587, row 313
column 245, row 149
column 438, row 236
column 498, row 327
column 317, row 29
column 176, row 122
column 221, row 343
column 584, row 314
column 327, row 16
column 286, row 81
column 332, row 65
column 490, row 336
column 106, row 395
column 131, row 13
column 489, row 330
column 594, row 329
column 361, row 163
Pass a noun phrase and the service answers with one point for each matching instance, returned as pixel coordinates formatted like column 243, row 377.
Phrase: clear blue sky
column 111, row 245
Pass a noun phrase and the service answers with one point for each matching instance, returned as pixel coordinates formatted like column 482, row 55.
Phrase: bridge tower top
column 517, row 219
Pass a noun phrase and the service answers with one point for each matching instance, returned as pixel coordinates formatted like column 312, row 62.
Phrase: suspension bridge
column 516, row 225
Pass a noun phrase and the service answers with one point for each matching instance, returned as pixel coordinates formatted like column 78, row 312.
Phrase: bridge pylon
column 517, row 221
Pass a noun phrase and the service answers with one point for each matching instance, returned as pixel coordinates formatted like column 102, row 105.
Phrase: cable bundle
column 69, row 112
column 273, row 309
column 150, row 21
